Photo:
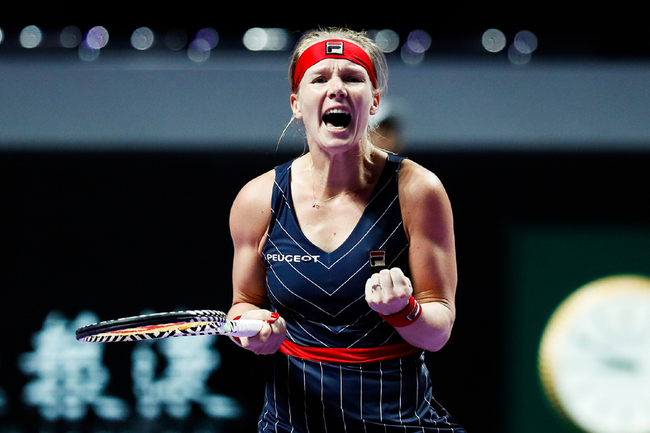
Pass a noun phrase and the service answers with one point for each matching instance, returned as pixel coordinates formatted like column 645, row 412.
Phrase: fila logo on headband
column 334, row 47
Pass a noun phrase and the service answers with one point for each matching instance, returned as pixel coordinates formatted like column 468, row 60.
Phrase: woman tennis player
column 348, row 253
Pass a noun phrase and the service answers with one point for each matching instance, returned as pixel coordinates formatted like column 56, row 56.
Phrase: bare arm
column 249, row 221
column 428, row 222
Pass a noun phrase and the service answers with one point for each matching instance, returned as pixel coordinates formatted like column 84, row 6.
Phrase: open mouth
column 337, row 119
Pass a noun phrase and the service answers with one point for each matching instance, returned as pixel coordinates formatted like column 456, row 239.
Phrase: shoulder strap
column 392, row 157
column 280, row 191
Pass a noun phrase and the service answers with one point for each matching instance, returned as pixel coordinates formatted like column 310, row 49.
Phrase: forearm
column 432, row 329
column 239, row 308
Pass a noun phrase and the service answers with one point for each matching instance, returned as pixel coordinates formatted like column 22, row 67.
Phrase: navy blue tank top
column 322, row 298
column 321, row 295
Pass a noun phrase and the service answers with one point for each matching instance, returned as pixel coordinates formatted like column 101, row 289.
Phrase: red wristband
column 407, row 316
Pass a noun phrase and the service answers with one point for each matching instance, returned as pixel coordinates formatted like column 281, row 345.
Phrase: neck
column 335, row 173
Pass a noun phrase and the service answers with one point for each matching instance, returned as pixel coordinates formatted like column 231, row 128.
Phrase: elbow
column 431, row 340
column 439, row 341
column 440, row 335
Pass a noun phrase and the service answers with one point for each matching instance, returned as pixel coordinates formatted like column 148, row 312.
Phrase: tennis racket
column 166, row 325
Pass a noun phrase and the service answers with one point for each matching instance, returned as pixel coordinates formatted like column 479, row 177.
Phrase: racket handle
column 242, row 328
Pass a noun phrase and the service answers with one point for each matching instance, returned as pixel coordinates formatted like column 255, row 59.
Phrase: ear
column 374, row 108
column 295, row 106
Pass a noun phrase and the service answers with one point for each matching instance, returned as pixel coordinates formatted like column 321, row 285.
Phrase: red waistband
column 348, row 356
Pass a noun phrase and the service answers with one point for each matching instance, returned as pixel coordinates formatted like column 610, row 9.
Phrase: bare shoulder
column 423, row 199
column 418, row 183
column 250, row 213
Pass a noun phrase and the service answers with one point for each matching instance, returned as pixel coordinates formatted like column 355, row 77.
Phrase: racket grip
column 243, row 328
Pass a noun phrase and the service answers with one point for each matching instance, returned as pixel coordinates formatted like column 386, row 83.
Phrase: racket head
column 165, row 325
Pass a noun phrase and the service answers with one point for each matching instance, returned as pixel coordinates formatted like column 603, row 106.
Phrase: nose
column 337, row 88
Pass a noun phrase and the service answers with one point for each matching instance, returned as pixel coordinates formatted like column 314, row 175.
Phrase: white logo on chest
column 295, row 258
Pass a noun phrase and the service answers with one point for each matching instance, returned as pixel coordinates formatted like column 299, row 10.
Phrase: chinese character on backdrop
column 69, row 376
column 190, row 361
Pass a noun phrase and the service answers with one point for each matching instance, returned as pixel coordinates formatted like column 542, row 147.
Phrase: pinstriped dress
column 321, row 297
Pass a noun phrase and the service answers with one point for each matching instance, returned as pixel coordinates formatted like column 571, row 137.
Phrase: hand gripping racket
column 166, row 325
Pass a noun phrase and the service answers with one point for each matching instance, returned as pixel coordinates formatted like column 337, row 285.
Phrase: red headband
column 332, row 49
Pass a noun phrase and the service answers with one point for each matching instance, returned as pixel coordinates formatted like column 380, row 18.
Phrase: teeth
column 337, row 111
column 337, row 118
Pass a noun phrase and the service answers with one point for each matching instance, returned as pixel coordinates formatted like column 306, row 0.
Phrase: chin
column 343, row 139
column 338, row 145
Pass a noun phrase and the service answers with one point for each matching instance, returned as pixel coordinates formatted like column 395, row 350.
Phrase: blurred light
column 204, row 41
column 199, row 50
column 97, row 38
column 70, row 37
column 516, row 56
column 270, row 39
column 142, row 38
column 255, row 39
column 175, row 39
column 278, row 39
column 87, row 53
column 207, row 35
column 387, row 40
column 418, row 41
column 2, row 36
column 411, row 58
column 525, row 42
column 494, row 40
column 31, row 37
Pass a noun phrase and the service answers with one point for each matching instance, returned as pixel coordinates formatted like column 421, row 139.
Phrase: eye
column 355, row 78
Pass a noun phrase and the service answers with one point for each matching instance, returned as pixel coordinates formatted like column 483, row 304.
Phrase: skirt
column 305, row 396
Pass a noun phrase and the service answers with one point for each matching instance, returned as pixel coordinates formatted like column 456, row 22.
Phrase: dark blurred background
column 125, row 135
